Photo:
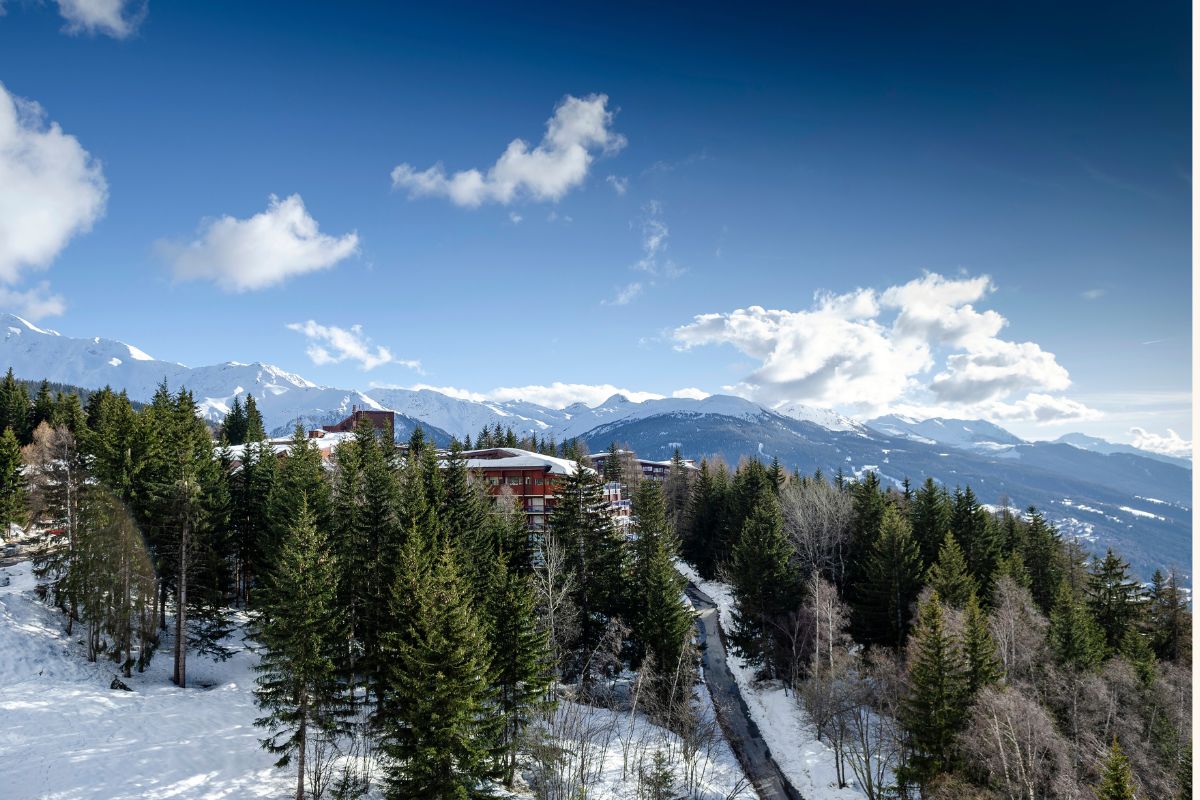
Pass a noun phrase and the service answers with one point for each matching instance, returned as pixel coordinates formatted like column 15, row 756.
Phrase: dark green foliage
column 929, row 515
column 254, row 431
column 233, row 428
column 15, row 408
column 949, row 576
column 299, row 626
column 521, row 668
column 765, row 587
column 977, row 534
column 1117, row 782
column 1169, row 619
column 865, row 531
column 662, row 621
column 1075, row 639
column 14, row 495
column 300, row 477
column 1114, row 598
column 703, row 532
column 979, row 649
column 595, row 552
column 935, row 708
column 890, row 585
column 1043, row 560
column 43, row 406
column 436, row 733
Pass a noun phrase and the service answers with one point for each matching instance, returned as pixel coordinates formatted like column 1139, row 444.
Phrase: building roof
column 516, row 458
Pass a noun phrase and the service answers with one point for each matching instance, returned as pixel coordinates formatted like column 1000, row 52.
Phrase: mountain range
column 1101, row 492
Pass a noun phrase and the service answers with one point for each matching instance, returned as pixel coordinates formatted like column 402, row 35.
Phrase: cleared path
column 743, row 735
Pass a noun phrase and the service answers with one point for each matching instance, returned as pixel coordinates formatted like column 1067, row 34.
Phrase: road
column 732, row 713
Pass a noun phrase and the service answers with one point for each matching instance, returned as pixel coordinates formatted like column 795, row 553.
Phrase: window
column 539, row 482
column 513, row 481
column 494, row 481
column 528, row 481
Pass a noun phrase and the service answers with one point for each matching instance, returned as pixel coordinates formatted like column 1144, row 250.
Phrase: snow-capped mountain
column 283, row 397
column 1098, row 445
column 975, row 435
column 1103, row 493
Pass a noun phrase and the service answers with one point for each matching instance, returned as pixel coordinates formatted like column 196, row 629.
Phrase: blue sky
column 978, row 210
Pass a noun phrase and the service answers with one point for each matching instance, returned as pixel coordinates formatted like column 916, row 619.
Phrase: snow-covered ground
column 781, row 720
column 65, row 734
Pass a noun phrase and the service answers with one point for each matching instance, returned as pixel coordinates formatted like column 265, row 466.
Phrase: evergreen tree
column 596, row 552
column 14, row 495
column 252, row 485
column 299, row 626
column 1169, row 620
column 255, row 431
column 676, row 491
column 765, row 588
column 233, row 428
column 521, row 668
column 1075, row 639
column 949, row 576
column 43, row 406
column 612, row 464
column 976, row 532
column 662, row 621
column 15, row 408
column 929, row 516
column 1042, row 560
column 1136, row 650
column 935, row 708
column 1117, row 782
column 979, row 649
column 703, row 521
column 300, row 476
column 68, row 413
column 436, row 732
column 1114, row 598
column 891, row 584
column 864, row 533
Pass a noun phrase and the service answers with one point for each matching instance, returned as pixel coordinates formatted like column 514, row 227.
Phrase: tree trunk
column 181, row 610
column 303, row 747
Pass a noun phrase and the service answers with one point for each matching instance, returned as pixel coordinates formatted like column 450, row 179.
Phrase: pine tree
column 234, row 425
column 979, row 649
column 596, row 552
column 299, row 626
column 300, row 476
column 891, row 583
column 1117, row 782
column 521, row 668
column 255, row 431
column 702, row 521
column 764, row 586
column 1075, row 639
column 43, row 406
column 14, row 495
column 949, row 576
column 1136, row 650
column 1169, row 619
column 436, row 734
column 676, row 491
column 929, row 516
column 864, row 533
column 935, row 709
column 15, row 408
column 662, row 621
column 1114, row 598
column 1042, row 559
column 976, row 532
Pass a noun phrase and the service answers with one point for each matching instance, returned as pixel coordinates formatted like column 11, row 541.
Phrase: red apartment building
column 531, row 477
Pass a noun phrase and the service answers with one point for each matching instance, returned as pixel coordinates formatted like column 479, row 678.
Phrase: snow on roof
column 516, row 458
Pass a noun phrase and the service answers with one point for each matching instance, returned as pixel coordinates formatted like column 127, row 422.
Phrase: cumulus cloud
column 329, row 344
column 580, row 128
column 264, row 250
column 51, row 189
column 1170, row 445
column 34, row 303
column 869, row 351
column 115, row 18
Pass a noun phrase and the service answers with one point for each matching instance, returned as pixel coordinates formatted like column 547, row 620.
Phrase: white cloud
column 691, row 393
column 265, row 250
column 653, row 262
column 869, row 351
column 1170, row 445
column 33, row 304
column 515, row 218
column 560, row 162
column 1093, row 294
column 116, row 18
column 619, row 184
column 329, row 344
column 625, row 295
column 50, row 188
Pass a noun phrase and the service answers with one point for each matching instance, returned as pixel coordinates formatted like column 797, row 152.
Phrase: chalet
column 532, row 478
column 382, row 421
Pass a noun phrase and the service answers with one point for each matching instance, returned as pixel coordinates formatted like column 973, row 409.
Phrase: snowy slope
column 1098, row 445
column 35, row 353
column 965, row 434
column 463, row 417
